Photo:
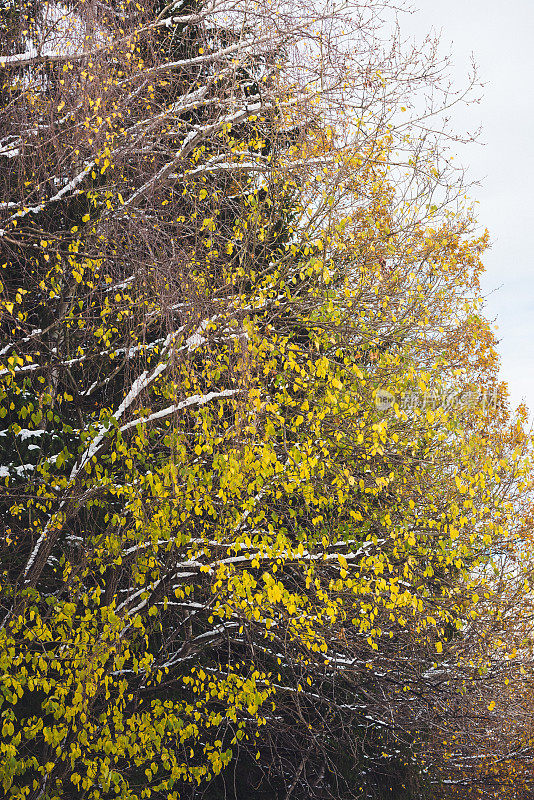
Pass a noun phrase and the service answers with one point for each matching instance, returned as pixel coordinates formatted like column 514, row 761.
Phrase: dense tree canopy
column 266, row 513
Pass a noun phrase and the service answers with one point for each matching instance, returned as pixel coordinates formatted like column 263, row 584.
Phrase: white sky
column 500, row 35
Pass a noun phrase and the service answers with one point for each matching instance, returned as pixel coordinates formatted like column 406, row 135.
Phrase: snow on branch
column 72, row 184
column 190, row 142
column 196, row 399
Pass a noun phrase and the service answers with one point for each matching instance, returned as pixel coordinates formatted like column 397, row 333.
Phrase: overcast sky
column 500, row 35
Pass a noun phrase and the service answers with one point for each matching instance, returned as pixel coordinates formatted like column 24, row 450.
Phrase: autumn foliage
column 266, row 512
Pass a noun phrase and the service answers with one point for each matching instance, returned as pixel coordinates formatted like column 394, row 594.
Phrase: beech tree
column 250, row 510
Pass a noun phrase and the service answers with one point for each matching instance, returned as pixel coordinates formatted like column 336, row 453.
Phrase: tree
column 222, row 557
